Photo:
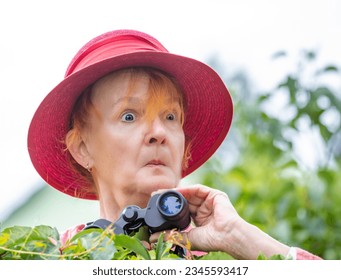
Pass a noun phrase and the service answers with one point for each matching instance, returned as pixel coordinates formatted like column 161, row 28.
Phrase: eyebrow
column 124, row 101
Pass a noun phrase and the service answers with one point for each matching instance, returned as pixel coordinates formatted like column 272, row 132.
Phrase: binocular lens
column 170, row 204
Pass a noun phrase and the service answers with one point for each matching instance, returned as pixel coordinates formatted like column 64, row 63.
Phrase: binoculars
column 164, row 211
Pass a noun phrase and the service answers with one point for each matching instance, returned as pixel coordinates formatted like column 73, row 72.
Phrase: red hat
column 208, row 103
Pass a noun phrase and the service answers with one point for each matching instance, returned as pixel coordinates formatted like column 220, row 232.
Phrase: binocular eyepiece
column 165, row 211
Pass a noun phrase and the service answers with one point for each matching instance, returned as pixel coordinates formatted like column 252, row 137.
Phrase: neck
column 113, row 201
column 109, row 210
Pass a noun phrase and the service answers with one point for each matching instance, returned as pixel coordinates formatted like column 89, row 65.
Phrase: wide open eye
column 128, row 117
column 171, row 117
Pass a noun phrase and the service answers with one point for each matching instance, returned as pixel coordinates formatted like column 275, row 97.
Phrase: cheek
column 180, row 148
column 116, row 160
column 182, row 145
column 110, row 147
column 120, row 149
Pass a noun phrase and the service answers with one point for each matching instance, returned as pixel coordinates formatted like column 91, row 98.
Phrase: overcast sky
column 39, row 38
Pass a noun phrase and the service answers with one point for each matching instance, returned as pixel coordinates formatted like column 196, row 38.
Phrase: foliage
column 273, row 258
column 43, row 243
column 261, row 169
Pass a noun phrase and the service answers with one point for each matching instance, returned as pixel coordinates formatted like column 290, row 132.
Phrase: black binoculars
column 165, row 211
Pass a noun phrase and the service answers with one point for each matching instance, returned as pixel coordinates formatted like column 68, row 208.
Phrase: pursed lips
column 155, row 162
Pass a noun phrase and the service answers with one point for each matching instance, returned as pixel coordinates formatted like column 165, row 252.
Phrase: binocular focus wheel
column 130, row 213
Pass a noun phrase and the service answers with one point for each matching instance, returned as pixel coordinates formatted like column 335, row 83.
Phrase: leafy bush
column 260, row 169
column 43, row 243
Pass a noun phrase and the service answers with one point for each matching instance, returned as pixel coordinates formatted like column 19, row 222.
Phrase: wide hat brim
column 208, row 117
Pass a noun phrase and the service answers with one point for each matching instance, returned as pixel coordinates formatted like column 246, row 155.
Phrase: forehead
column 135, row 86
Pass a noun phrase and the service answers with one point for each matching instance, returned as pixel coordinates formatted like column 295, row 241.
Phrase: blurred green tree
column 262, row 169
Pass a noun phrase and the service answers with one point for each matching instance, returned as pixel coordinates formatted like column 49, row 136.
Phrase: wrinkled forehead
column 137, row 85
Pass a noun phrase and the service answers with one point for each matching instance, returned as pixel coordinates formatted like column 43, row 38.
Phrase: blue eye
column 128, row 117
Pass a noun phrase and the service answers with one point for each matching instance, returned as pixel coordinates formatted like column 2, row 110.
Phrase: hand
column 213, row 215
column 220, row 228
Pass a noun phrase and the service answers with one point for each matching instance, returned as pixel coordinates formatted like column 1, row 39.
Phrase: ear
column 77, row 148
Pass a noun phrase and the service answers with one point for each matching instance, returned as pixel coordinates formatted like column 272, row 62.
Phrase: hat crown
column 111, row 44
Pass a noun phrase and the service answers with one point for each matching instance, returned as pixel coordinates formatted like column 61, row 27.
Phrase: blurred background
column 281, row 162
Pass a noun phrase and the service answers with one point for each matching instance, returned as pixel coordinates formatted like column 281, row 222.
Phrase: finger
column 153, row 238
column 197, row 191
column 194, row 202
column 160, row 191
column 193, row 209
column 146, row 245
column 195, row 195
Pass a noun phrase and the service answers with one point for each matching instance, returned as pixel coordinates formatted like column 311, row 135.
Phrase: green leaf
column 309, row 55
column 292, row 85
column 12, row 235
column 4, row 238
column 84, row 233
column 328, row 68
column 274, row 257
column 142, row 233
column 279, row 54
column 162, row 248
column 40, row 242
column 122, row 254
column 132, row 244
column 325, row 133
column 215, row 256
column 94, row 244
column 261, row 257
column 101, row 246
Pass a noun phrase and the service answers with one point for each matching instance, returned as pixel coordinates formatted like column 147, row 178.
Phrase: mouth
column 155, row 163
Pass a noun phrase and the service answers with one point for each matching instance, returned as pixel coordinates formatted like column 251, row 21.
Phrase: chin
column 159, row 182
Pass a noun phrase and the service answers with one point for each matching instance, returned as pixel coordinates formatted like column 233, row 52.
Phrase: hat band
column 112, row 47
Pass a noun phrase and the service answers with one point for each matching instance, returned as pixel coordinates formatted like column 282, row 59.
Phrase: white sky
column 39, row 38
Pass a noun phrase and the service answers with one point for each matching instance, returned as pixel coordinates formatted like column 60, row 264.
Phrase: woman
column 130, row 119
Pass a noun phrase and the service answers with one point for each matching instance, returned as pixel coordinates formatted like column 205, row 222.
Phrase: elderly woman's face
column 136, row 144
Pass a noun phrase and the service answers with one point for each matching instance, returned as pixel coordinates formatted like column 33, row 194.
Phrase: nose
column 156, row 133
